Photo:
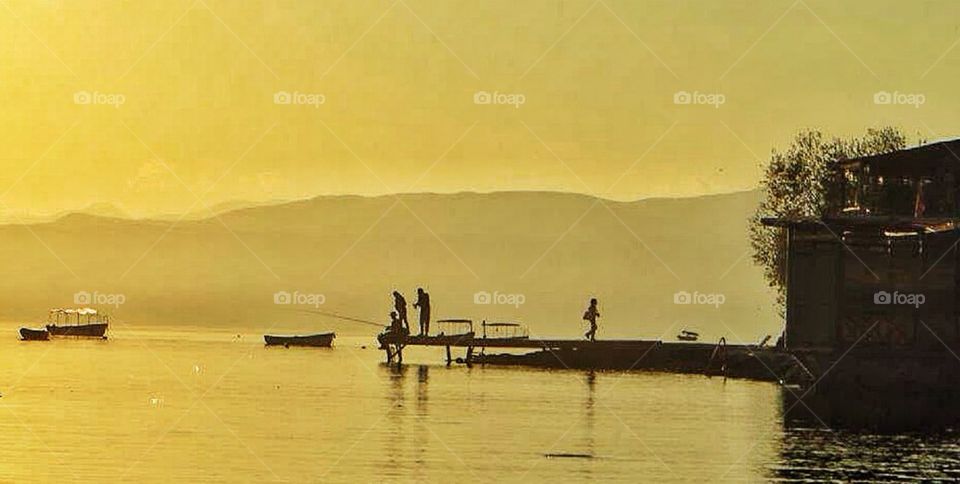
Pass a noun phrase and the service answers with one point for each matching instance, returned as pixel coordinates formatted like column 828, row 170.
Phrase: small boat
column 30, row 334
column 323, row 340
column 688, row 336
column 94, row 326
column 504, row 331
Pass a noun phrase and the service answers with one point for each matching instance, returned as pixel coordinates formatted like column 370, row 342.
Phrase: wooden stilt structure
column 396, row 352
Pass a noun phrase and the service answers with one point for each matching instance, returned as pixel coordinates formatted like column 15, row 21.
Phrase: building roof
column 907, row 224
column 928, row 159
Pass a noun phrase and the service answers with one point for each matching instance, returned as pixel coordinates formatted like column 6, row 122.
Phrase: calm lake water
column 188, row 406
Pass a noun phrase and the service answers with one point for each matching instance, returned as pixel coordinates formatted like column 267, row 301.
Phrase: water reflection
column 408, row 435
column 589, row 407
column 423, row 374
column 589, row 419
column 394, row 427
column 871, row 437
column 421, row 433
column 893, row 412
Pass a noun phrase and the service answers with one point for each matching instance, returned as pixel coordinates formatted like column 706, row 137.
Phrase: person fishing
column 423, row 304
column 396, row 326
column 400, row 305
column 591, row 315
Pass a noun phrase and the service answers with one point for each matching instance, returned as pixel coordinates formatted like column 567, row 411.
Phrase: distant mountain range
column 534, row 257
column 109, row 210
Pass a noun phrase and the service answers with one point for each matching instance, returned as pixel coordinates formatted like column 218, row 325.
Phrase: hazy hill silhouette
column 554, row 249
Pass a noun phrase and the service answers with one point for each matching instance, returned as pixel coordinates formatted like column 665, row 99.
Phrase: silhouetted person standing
column 591, row 315
column 400, row 305
column 423, row 304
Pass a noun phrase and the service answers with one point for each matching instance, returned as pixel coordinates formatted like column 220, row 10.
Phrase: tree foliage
column 802, row 181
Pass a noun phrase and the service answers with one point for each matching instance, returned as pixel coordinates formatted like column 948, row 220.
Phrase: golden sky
column 160, row 106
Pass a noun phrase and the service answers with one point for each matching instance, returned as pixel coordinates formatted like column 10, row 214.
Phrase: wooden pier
column 738, row 361
column 394, row 344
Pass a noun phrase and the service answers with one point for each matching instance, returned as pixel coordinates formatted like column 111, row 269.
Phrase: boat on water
column 688, row 335
column 322, row 340
column 504, row 331
column 79, row 322
column 30, row 334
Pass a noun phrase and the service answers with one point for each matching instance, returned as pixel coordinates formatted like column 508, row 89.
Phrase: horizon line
column 210, row 210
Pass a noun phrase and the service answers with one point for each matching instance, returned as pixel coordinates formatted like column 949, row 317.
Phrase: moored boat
column 323, row 340
column 93, row 326
column 688, row 335
column 30, row 334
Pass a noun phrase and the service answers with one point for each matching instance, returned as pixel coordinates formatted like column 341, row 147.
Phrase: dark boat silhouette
column 93, row 326
column 30, row 334
column 688, row 335
column 323, row 340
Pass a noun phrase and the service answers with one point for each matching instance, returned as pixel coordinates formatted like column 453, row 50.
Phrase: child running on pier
column 591, row 315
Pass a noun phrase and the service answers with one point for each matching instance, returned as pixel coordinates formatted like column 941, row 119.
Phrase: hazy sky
column 153, row 104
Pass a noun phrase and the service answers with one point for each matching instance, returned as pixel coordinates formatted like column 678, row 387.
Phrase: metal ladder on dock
column 720, row 350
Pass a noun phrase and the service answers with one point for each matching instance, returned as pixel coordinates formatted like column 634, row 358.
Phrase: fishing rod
column 340, row 316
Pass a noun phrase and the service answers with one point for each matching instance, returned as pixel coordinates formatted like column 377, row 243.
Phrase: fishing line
column 340, row 316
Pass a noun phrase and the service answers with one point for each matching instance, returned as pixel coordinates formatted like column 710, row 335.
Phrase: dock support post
column 449, row 359
column 469, row 355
